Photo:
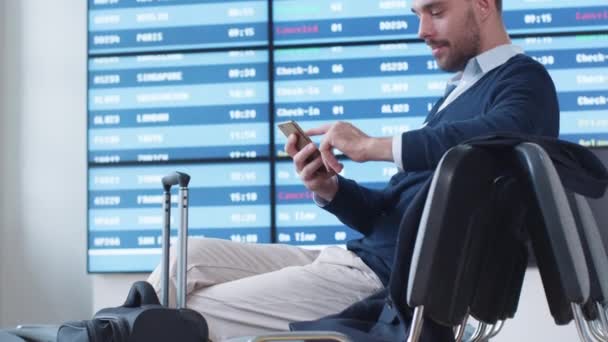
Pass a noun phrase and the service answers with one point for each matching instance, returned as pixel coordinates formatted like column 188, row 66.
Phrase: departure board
column 117, row 26
column 301, row 222
column 322, row 21
column 199, row 85
column 553, row 16
column 151, row 108
column 228, row 201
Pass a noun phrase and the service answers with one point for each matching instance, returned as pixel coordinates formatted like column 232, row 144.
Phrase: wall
column 3, row 157
column 10, row 160
column 533, row 321
column 111, row 290
column 43, row 227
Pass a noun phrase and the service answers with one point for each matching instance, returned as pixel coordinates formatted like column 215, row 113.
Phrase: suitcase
column 143, row 317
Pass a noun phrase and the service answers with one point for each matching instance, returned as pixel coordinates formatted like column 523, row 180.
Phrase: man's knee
column 194, row 247
column 200, row 250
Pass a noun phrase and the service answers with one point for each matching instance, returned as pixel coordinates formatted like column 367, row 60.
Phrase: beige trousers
column 249, row 289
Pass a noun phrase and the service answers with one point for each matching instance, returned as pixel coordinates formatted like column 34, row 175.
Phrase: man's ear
column 484, row 8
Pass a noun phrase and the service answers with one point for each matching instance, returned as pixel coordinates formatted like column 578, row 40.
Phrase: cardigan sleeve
column 355, row 205
column 522, row 100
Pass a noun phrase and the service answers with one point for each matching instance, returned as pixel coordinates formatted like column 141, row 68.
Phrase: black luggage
column 142, row 317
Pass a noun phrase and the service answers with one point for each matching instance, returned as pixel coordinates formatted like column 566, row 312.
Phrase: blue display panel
column 228, row 201
column 152, row 108
column 382, row 89
column 578, row 66
column 321, row 21
column 549, row 16
column 189, row 83
column 299, row 221
column 117, row 26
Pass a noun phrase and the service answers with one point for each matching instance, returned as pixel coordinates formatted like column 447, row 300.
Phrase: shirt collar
column 486, row 62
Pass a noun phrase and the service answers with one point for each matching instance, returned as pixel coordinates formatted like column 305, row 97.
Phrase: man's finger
column 290, row 146
column 330, row 161
column 309, row 172
column 318, row 130
column 302, row 156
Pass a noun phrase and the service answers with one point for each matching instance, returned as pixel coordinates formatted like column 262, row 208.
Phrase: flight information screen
column 199, row 85
column 552, row 16
column 117, row 26
column 227, row 201
column 300, row 221
column 322, row 21
column 151, row 108
column 319, row 21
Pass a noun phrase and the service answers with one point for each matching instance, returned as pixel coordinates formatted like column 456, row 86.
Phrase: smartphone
column 292, row 127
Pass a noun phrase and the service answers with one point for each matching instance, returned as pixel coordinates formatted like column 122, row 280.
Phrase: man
column 250, row 289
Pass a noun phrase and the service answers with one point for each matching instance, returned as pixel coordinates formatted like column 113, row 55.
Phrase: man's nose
column 425, row 27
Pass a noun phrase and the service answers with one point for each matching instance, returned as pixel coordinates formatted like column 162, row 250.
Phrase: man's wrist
column 379, row 149
column 324, row 196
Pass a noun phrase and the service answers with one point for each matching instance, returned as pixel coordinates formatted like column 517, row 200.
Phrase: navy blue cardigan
column 518, row 97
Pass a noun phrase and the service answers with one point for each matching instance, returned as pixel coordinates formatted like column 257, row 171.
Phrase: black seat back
column 554, row 237
column 592, row 240
column 453, row 235
column 504, row 264
column 485, row 204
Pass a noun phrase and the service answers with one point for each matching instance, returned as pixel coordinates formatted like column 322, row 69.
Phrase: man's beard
column 463, row 49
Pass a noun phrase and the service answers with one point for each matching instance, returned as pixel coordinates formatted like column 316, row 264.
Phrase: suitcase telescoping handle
column 182, row 237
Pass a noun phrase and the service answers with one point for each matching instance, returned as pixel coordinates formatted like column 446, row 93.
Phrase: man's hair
column 499, row 5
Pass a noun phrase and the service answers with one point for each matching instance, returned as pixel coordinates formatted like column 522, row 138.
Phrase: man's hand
column 351, row 141
column 315, row 177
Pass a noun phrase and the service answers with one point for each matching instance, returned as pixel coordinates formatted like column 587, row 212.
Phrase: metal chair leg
column 603, row 319
column 417, row 322
column 486, row 335
column 479, row 332
column 497, row 328
column 461, row 328
column 597, row 330
column 584, row 331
